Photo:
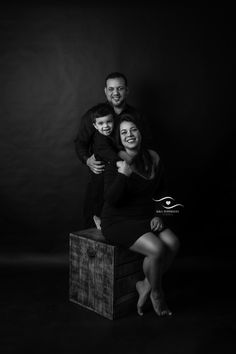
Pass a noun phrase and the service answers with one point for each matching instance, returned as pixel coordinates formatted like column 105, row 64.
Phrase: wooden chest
column 103, row 276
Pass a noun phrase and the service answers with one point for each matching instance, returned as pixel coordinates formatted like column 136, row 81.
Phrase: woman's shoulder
column 155, row 156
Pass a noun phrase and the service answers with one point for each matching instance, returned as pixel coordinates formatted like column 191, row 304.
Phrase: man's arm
column 84, row 137
column 83, row 143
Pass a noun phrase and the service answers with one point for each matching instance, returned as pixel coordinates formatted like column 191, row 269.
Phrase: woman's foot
column 159, row 305
column 97, row 222
column 143, row 289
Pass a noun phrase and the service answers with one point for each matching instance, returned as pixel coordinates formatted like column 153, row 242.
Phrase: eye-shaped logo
column 168, row 203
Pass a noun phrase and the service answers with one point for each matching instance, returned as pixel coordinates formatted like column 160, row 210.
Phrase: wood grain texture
column 102, row 276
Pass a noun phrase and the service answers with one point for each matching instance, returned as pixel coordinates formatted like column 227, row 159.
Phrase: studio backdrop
column 53, row 63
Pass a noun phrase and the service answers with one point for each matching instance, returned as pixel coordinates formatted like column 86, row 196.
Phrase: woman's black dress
column 129, row 206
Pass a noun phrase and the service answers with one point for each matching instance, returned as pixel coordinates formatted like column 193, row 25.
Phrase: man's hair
column 116, row 75
column 101, row 110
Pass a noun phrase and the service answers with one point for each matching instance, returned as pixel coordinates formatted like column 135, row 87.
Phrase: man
column 116, row 92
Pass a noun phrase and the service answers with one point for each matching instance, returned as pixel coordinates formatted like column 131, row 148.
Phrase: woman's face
column 130, row 135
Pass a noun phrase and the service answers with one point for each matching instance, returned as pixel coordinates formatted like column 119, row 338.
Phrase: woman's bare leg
column 154, row 249
column 172, row 246
column 143, row 288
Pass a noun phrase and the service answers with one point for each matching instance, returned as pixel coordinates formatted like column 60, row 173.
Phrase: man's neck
column 119, row 110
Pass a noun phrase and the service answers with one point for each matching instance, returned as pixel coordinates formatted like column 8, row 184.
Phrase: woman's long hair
column 142, row 161
column 124, row 117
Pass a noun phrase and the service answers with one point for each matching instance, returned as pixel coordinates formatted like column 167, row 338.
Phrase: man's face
column 116, row 91
column 104, row 124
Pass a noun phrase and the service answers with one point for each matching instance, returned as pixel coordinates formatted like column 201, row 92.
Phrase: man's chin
column 118, row 103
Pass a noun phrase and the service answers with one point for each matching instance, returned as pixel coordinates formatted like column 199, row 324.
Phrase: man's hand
column 156, row 224
column 94, row 165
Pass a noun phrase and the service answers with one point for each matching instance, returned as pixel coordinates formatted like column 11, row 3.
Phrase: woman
column 128, row 216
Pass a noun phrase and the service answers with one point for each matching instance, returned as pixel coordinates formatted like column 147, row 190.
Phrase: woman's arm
column 125, row 156
column 158, row 221
column 159, row 172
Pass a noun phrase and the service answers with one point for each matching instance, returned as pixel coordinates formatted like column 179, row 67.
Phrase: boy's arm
column 114, row 185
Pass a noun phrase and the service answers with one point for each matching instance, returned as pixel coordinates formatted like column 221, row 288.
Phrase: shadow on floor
column 38, row 318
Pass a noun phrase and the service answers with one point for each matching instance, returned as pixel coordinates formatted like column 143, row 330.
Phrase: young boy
column 104, row 149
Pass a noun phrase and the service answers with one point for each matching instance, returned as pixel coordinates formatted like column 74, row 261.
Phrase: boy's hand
column 156, row 224
column 94, row 165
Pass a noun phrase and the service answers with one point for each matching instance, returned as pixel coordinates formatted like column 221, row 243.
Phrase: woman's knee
column 158, row 249
column 150, row 245
column 170, row 240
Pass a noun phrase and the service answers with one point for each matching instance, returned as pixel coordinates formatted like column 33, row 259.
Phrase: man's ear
column 105, row 90
column 95, row 126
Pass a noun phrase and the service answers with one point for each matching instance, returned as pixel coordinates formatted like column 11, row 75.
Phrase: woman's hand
column 156, row 224
column 124, row 168
column 94, row 165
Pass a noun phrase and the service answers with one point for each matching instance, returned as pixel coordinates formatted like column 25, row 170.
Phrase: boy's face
column 104, row 124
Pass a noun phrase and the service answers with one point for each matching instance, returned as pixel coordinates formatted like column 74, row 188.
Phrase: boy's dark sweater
column 84, row 139
column 104, row 148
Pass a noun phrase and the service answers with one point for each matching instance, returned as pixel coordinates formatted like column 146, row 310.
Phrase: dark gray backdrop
column 54, row 58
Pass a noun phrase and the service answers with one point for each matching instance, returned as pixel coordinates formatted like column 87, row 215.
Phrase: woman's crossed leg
column 159, row 253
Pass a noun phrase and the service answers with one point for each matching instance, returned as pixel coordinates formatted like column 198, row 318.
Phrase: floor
column 38, row 318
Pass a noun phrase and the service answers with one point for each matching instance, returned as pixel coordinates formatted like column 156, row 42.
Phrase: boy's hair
column 101, row 110
column 116, row 75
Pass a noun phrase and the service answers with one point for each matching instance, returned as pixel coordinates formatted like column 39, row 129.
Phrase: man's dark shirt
column 84, row 139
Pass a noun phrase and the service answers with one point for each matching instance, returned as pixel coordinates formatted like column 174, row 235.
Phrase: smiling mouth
column 131, row 140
